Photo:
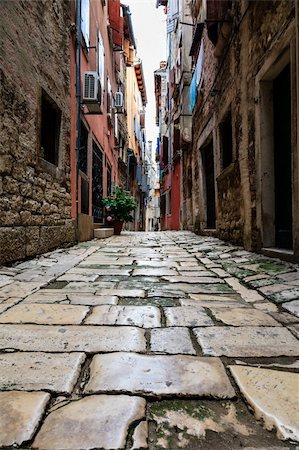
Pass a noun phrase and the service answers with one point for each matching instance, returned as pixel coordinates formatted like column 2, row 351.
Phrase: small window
column 226, row 140
column 50, row 129
column 83, row 149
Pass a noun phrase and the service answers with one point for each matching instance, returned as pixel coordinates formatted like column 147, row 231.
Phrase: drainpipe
column 297, row 89
column 78, row 101
column 168, row 205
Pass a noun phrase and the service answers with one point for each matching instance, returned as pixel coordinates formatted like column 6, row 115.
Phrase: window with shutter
column 85, row 20
column 101, row 62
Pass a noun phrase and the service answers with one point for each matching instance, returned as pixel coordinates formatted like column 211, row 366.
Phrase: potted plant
column 119, row 207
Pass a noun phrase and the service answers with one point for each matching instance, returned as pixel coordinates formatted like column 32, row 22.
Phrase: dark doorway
column 283, row 159
column 208, row 166
column 97, row 183
column 50, row 129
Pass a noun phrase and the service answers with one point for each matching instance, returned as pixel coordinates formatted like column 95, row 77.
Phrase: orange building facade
column 94, row 156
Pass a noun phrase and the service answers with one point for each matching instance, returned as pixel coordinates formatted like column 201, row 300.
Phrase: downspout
column 297, row 105
column 78, row 101
column 169, row 124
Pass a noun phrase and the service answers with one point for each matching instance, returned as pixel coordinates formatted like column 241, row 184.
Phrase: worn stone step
column 102, row 233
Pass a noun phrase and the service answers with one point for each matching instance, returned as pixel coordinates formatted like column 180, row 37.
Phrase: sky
column 149, row 24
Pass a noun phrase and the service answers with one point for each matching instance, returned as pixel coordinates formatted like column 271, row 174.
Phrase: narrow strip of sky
column 150, row 33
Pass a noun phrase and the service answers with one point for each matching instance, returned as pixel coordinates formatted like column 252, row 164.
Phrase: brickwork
column 35, row 197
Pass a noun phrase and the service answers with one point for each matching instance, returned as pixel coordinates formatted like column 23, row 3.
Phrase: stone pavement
column 149, row 340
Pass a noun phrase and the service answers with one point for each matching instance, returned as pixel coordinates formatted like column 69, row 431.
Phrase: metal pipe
column 78, row 101
column 169, row 150
column 297, row 88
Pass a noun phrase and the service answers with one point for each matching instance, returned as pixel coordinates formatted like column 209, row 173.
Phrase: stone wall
column 35, row 200
column 229, row 83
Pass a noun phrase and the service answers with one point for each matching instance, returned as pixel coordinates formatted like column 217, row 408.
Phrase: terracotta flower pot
column 117, row 225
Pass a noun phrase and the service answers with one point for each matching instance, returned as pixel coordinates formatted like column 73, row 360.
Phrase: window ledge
column 50, row 168
column 227, row 171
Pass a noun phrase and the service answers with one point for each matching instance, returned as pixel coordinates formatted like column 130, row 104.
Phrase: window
column 226, row 140
column 83, row 151
column 50, row 129
column 85, row 20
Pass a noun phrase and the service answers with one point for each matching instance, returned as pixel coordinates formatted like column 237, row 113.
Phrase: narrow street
column 149, row 340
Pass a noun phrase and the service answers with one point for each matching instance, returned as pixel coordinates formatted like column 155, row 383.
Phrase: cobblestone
column 154, row 316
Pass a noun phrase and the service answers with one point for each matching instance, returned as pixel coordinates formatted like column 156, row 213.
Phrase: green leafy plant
column 119, row 205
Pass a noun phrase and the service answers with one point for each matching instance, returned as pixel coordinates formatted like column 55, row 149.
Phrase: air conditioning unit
column 119, row 100
column 92, row 92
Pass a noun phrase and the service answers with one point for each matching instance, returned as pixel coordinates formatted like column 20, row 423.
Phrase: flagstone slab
column 73, row 298
column 216, row 298
column 187, row 316
column 189, row 263
column 140, row 436
column 71, row 338
column 159, row 375
column 210, row 304
column 195, row 273
column 92, row 300
column 89, row 286
column 289, row 277
column 249, row 295
column 247, row 341
column 266, row 306
column 292, row 307
column 136, row 293
column 150, row 272
column 31, row 371
column 20, row 414
column 6, row 304
column 19, row 289
column 164, row 293
column 193, row 279
column 193, row 270
column 285, row 296
column 100, row 272
column 278, row 410
column 294, row 329
column 273, row 288
column 244, row 317
column 98, row 421
column 45, row 314
column 285, row 317
column 173, row 340
column 206, row 425
column 46, row 296
column 256, row 277
column 198, row 288
column 153, row 263
column 139, row 316
column 78, row 277
column 220, row 272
